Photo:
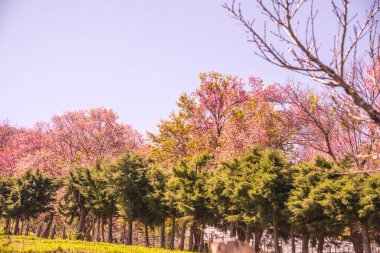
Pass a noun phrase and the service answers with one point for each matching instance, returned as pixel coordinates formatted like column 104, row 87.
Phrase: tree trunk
column 248, row 234
column 38, row 230
column 146, row 235
column 162, row 241
column 52, row 234
column 292, row 239
column 123, row 232
column 202, row 239
column 48, row 226
column 22, row 227
column 356, row 239
column 305, row 243
column 172, row 233
column 88, row 229
column 365, row 235
column 240, row 233
column 82, row 219
column 110, row 229
column 275, row 232
column 15, row 230
column 93, row 237
column 197, row 239
column 232, row 230
column 27, row 228
column 321, row 242
column 129, row 238
column 258, row 235
column 103, row 224
column 191, row 238
column 183, row 233
column 64, row 236
column 98, row 238
column 7, row 227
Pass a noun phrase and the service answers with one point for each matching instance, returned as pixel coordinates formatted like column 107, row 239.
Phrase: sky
column 135, row 57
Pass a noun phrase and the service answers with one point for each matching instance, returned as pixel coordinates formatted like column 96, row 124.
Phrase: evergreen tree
column 264, row 189
column 306, row 212
column 30, row 195
column 188, row 186
column 129, row 177
column 73, row 202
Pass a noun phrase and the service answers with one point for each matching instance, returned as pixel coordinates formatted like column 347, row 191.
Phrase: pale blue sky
column 135, row 57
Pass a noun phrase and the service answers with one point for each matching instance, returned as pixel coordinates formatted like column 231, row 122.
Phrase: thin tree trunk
column 93, row 232
column 183, row 233
column 191, row 238
column 82, row 219
column 122, row 236
column 248, row 234
column 7, row 227
column 356, row 239
column 98, row 231
column 52, row 234
column 48, row 226
column 110, row 229
column 38, row 230
column 27, row 228
column 129, row 238
column 258, row 235
column 103, row 224
column 321, row 242
column 64, row 236
column 202, row 241
column 11, row 226
column 15, row 230
column 275, row 232
column 240, row 233
column 365, row 235
column 292, row 239
column 197, row 239
column 88, row 230
column 146, row 235
column 305, row 243
column 22, row 227
column 232, row 230
column 162, row 241
column 172, row 233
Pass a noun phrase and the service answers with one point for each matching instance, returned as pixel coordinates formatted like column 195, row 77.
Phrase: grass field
column 34, row 244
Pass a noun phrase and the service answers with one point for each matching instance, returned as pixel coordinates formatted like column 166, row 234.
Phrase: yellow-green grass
column 34, row 244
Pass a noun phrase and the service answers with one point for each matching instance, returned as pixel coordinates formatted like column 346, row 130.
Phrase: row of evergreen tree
column 260, row 192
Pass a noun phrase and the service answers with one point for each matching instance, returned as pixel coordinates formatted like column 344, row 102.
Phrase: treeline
column 256, row 193
column 199, row 169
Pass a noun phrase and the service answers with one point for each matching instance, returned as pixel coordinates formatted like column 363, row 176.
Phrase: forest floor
column 34, row 244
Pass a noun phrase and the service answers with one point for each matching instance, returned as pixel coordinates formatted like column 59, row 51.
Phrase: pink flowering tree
column 15, row 144
column 78, row 138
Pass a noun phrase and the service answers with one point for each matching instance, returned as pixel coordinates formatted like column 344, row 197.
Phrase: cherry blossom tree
column 16, row 143
column 223, row 117
column 325, row 128
column 78, row 138
column 85, row 137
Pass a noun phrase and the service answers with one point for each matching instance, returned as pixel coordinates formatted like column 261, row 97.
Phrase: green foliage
column 304, row 203
column 351, row 197
column 130, row 181
column 187, row 190
column 29, row 195
column 158, row 180
column 73, row 198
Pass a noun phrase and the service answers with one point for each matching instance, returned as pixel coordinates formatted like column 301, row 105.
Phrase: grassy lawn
column 34, row 244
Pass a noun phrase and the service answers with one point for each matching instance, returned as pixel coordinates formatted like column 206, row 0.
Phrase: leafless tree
column 343, row 65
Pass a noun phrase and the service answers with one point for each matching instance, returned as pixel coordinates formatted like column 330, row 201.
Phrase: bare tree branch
column 303, row 54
